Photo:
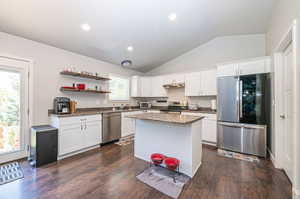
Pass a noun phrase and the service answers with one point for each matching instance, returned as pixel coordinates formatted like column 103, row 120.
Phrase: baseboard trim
column 296, row 194
column 273, row 160
column 78, row 152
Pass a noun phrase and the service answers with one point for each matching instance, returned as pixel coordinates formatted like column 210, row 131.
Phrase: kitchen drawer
column 78, row 119
column 191, row 114
column 131, row 113
column 206, row 115
column 209, row 116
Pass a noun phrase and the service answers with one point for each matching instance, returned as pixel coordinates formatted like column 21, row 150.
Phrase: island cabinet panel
column 182, row 141
column 209, row 127
column 77, row 134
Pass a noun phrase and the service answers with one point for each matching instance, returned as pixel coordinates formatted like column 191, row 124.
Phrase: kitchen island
column 173, row 135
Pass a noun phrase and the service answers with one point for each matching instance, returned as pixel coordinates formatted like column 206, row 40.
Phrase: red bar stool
column 173, row 165
column 157, row 159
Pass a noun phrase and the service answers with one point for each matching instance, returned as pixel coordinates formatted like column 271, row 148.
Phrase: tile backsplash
column 177, row 94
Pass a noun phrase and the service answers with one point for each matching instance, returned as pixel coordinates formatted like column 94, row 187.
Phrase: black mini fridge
column 44, row 145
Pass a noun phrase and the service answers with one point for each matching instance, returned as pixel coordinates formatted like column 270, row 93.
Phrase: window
column 119, row 87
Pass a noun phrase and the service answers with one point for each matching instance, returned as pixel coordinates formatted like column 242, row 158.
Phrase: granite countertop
column 167, row 117
column 94, row 112
column 208, row 111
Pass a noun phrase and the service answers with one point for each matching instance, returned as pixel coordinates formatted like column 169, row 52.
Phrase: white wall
column 218, row 50
column 284, row 12
column 48, row 62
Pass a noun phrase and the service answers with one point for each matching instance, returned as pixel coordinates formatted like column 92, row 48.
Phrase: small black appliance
column 61, row 105
column 44, row 145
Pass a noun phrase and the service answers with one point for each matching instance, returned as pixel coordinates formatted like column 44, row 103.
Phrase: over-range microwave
column 145, row 105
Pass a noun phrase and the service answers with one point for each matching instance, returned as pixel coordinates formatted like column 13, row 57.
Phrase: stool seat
column 157, row 158
column 172, row 163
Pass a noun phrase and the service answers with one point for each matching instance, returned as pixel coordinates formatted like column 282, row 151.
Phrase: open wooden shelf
column 75, row 74
column 83, row 91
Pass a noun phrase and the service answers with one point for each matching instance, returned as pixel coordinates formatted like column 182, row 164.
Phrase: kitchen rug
column 238, row 156
column 126, row 140
column 10, row 172
column 162, row 180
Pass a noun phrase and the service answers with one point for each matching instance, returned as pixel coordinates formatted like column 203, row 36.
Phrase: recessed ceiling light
column 130, row 48
column 172, row 16
column 85, row 27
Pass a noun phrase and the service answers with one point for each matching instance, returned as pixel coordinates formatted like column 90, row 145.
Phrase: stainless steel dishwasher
column 111, row 127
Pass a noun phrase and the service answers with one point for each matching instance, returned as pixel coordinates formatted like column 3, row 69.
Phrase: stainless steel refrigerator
column 244, row 113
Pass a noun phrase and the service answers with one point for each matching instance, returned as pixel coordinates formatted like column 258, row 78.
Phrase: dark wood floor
column 109, row 173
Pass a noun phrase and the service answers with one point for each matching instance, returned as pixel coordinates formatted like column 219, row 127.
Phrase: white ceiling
column 144, row 24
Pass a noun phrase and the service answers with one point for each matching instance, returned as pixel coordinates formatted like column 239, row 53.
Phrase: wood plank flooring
column 109, row 173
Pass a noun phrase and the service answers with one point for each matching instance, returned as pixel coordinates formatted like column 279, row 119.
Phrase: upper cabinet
column 157, row 86
column 202, row 83
column 174, row 79
column 193, row 84
column 209, row 83
column 141, row 86
column 146, row 86
column 253, row 66
column 135, row 90
column 227, row 70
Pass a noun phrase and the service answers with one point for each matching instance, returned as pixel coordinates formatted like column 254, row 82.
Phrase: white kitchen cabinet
column 173, row 78
column 77, row 133
column 209, row 127
column 92, row 133
column 157, row 87
column 141, row 86
column 208, row 83
column 193, row 84
column 254, row 67
column 202, row 83
column 247, row 67
column 209, row 131
column 227, row 70
column 135, row 90
column 128, row 124
column 146, row 86
column 153, row 111
column 69, row 139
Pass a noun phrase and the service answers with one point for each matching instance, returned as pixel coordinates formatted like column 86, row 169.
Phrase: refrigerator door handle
column 235, row 125
column 241, row 99
column 238, row 97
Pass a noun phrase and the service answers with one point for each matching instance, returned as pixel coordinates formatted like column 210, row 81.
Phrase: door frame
column 29, row 63
column 290, row 38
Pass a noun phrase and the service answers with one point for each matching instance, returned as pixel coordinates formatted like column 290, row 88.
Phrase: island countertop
column 167, row 117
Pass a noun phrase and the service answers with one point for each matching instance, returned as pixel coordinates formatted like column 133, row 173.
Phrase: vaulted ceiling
column 142, row 24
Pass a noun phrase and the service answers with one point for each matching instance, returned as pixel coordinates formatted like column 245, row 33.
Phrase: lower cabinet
column 76, row 134
column 209, row 127
column 128, row 124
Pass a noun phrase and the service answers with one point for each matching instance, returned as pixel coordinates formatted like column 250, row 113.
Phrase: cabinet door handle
column 85, row 125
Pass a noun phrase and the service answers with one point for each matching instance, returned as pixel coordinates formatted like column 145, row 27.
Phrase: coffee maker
column 61, row 105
